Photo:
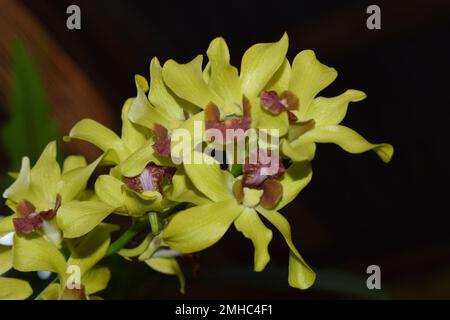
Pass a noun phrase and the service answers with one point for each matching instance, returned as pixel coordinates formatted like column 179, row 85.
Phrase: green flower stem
column 154, row 222
column 128, row 235
column 123, row 240
column 236, row 170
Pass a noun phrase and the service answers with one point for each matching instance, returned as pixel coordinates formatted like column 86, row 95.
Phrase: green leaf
column 30, row 125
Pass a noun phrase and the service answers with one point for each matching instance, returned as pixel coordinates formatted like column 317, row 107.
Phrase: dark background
column 357, row 211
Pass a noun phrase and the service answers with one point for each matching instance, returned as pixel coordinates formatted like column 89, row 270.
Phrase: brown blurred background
column 356, row 212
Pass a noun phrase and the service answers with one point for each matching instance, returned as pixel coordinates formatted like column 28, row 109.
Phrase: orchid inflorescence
column 201, row 148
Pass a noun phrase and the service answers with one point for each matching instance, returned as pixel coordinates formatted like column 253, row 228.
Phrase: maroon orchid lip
column 29, row 220
column 28, row 224
column 266, row 166
column 272, row 193
column 276, row 104
column 162, row 144
column 235, row 125
column 153, row 178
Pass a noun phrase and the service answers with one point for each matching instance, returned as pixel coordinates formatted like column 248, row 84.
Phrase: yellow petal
column 308, row 78
column 301, row 276
column 96, row 279
column 208, row 177
column 51, row 292
column 6, row 225
column 138, row 204
column 294, row 180
column 331, row 111
column 254, row 229
column 91, row 249
column 34, row 253
column 100, row 136
column 73, row 162
column 200, row 227
column 141, row 110
column 167, row 265
column 259, row 64
column 136, row 162
column 14, row 289
column 75, row 181
column 76, row 218
column 6, row 256
column 280, row 80
column 298, row 151
column 347, row 139
column 20, row 189
column 45, row 176
column 274, row 125
column 224, row 78
column 183, row 190
column 160, row 96
column 186, row 80
column 133, row 136
column 109, row 190
column 182, row 144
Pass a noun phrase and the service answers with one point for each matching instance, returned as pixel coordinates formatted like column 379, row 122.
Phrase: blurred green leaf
column 29, row 126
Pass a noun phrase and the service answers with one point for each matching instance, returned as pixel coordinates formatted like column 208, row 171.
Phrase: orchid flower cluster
column 202, row 147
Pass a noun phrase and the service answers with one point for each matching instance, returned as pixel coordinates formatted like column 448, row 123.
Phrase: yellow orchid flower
column 140, row 180
column 79, row 276
column 230, row 201
column 45, row 191
column 163, row 113
column 226, row 95
column 181, row 205
column 293, row 91
column 135, row 185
